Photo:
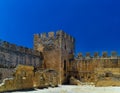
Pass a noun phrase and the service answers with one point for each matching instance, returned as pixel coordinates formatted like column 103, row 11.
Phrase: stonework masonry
column 12, row 55
column 91, row 69
column 56, row 51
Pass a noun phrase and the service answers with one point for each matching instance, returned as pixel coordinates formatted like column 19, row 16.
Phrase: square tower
column 58, row 51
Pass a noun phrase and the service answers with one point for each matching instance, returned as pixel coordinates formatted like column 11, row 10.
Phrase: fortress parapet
column 114, row 54
column 96, row 55
column 104, row 54
column 51, row 34
column 88, row 55
column 53, row 41
column 58, row 34
column 43, row 35
column 20, row 49
column 80, row 56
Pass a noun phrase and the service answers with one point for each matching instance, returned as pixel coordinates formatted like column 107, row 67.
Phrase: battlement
column 16, row 48
column 58, row 34
column 97, row 55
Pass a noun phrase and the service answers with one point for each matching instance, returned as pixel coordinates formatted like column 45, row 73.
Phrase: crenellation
column 43, row 35
column 64, row 35
column 114, row 54
column 57, row 34
column 88, row 54
column 60, row 33
column 79, row 55
column 51, row 34
column 56, row 51
column 96, row 55
column 36, row 36
column 104, row 54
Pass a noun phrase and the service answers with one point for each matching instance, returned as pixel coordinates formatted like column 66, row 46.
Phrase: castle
column 56, row 51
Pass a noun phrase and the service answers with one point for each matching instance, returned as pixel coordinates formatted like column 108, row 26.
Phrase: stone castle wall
column 6, row 73
column 88, row 68
column 12, row 55
column 56, row 51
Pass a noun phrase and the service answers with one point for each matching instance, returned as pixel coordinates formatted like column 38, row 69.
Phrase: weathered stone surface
column 88, row 70
column 22, row 79
column 45, row 78
column 6, row 73
column 56, row 51
column 10, row 58
column 107, row 82
column 74, row 81
column 25, row 77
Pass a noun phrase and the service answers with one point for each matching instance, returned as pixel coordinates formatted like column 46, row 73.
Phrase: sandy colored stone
column 74, row 81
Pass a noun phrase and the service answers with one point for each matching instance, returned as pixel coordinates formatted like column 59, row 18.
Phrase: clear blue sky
column 94, row 23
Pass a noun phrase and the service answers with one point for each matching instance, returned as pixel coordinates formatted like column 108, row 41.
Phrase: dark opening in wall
column 108, row 74
column 64, row 65
column 65, row 47
column 89, row 77
column 0, row 75
column 75, row 76
column 64, row 74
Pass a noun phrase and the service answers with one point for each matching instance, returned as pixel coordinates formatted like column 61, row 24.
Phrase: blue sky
column 94, row 23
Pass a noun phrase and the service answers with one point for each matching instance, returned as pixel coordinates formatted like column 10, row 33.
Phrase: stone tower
column 58, row 51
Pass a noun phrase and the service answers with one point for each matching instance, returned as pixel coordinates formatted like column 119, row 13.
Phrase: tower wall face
column 57, row 48
column 67, row 54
